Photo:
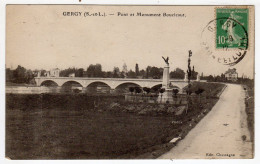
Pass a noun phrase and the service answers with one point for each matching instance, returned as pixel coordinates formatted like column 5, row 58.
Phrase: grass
column 70, row 133
column 249, row 102
column 49, row 126
column 210, row 89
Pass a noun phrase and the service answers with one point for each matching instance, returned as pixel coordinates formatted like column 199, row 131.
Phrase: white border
column 125, row 2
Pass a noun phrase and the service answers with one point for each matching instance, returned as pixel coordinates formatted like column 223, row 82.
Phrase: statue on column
column 166, row 60
column 186, row 77
column 198, row 77
column 38, row 73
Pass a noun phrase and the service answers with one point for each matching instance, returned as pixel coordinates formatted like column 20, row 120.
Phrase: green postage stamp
column 232, row 28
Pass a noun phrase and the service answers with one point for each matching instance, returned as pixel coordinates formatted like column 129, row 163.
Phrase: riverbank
column 250, row 111
column 100, row 127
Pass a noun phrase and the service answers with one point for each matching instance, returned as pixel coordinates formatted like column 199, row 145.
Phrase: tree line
column 23, row 75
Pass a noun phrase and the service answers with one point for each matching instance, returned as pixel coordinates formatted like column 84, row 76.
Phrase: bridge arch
column 49, row 83
column 156, row 85
column 99, row 81
column 124, row 87
column 155, row 88
column 127, row 82
column 77, row 83
column 71, row 86
column 98, row 87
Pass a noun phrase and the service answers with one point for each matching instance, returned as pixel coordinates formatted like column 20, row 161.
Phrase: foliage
column 131, row 89
column 138, row 90
column 116, row 72
column 156, row 88
column 175, row 91
column 206, row 89
column 177, row 74
column 199, row 91
column 154, row 72
column 66, row 72
column 94, row 70
column 19, row 75
column 131, row 74
column 147, row 90
column 162, row 90
column 136, row 69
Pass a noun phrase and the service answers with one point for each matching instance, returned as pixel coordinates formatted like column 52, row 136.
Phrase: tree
column 189, row 91
column 177, row 74
column 142, row 73
column 19, row 74
column 199, row 92
column 156, row 88
column 44, row 71
column 147, row 90
column 147, row 71
column 137, row 90
column 189, row 72
column 175, row 92
column 108, row 74
column 116, row 72
column 29, row 76
column 210, row 78
column 155, row 72
column 9, row 75
column 131, row 89
column 137, row 69
column 79, row 72
column 94, row 70
column 162, row 90
column 131, row 74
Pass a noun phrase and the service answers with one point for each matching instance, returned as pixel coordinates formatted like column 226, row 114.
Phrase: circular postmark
column 226, row 40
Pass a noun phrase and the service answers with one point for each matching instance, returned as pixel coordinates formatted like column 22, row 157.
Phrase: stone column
column 198, row 77
column 167, row 95
column 186, row 77
column 37, row 80
column 112, row 90
column 166, row 77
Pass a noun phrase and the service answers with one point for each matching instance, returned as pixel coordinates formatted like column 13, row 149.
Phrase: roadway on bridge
column 220, row 131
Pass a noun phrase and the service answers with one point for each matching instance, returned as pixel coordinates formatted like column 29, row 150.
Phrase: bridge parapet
column 113, row 83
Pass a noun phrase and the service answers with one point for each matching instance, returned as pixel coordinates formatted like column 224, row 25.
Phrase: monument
column 167, row 94
column 198, row 78
column 186, row 77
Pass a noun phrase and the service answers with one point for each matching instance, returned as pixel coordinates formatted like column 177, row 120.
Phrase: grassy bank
column 250, row 110
column 78, row 126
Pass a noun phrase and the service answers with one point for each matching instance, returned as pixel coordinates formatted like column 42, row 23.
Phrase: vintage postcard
column 129, row 82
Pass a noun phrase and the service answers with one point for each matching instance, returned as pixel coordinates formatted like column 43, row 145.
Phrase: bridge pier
column 112, row 90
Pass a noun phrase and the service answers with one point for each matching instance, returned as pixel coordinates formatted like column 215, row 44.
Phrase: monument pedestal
column 166, row 77
column 165, row 96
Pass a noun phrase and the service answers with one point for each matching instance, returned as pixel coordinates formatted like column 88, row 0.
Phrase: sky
column 41, row 37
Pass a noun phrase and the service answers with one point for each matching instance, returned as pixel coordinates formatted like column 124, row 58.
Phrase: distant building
column 124, row 70
column 47, row 74
column 55, row 72
column 231, row 74
column 72, row 75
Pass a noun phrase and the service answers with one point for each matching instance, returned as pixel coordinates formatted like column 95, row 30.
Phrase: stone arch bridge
column 113, row 83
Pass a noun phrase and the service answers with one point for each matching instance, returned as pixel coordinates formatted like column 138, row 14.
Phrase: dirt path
column 219, row 134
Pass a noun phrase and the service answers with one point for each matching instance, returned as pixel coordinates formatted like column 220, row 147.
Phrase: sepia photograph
column 129, row 82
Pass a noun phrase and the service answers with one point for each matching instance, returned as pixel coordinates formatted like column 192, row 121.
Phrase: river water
column 31, row 89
